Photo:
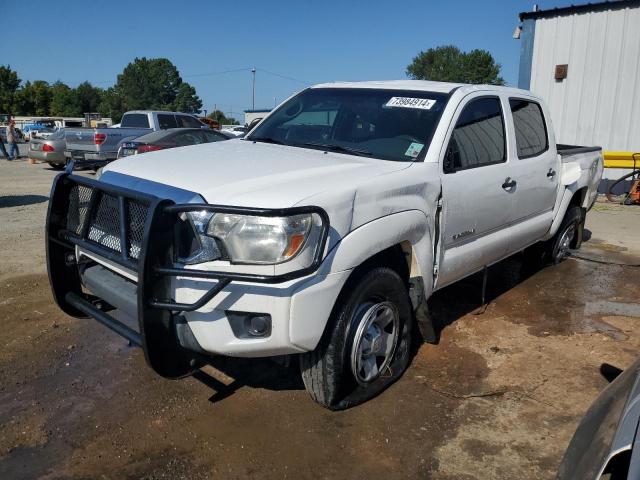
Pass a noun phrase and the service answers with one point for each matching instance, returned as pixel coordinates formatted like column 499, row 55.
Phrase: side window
column 531, row 131
column 188, row 121
column 135, row 120
column 166, row 120
column 478, row 138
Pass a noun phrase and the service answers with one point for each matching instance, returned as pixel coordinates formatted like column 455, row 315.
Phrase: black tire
column 56, row 166
column 555, row 250
column 327, row 371
column 573, row 220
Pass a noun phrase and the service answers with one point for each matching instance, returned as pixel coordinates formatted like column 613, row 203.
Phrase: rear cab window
column 531, row 130
column 135, row 120
column 478, row 139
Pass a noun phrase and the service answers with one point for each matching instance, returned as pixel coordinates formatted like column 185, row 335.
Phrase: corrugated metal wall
column 599, row 101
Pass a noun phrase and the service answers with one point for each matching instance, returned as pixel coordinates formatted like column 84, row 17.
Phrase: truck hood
column 244, row 173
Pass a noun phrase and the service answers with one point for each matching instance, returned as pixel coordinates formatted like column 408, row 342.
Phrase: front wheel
column 366, row 345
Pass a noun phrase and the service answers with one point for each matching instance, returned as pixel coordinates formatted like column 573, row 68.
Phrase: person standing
column 4, row 150
column 12, row 140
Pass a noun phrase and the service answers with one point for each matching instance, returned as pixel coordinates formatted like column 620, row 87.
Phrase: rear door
column 476, row 191
column 535, row 166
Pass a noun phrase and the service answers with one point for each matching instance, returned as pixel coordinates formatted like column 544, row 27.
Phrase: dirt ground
column 499, row 397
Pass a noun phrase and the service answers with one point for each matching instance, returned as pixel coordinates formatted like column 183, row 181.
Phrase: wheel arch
column 570, row 198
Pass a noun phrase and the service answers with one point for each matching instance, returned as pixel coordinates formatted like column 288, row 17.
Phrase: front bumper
column 168, row 295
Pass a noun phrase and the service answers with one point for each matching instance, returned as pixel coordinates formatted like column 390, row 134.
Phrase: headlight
column 263, row 240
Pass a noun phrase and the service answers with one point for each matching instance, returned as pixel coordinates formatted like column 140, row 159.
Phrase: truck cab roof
column 422, row 85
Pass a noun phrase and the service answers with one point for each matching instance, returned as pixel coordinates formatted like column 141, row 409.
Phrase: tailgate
column 81, row 139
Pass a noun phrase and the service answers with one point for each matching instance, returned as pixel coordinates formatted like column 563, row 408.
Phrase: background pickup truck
column 96, row 146
column 323, row 233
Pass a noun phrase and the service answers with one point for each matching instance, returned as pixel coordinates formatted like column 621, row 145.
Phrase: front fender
column 412, row 226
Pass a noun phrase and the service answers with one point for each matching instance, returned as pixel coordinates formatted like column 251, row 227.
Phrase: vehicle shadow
column 21, row 200
column 465, row 296
column 251, row 372
column 446, row 307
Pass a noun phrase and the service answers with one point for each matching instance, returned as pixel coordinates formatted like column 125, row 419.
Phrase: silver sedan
column 50, row 149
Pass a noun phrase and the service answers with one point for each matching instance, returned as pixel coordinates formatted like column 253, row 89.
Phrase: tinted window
column 154, row 137
column 378, row 123
column 189, row 138
column 135, row 120
column 531, row 131
column 166, row 120
column 478, row 138
column 188, row 121
column 213, row 137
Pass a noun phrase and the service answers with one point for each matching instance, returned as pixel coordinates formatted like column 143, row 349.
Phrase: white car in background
column 237, row 131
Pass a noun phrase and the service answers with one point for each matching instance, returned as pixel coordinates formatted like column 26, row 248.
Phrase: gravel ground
column 498, row 397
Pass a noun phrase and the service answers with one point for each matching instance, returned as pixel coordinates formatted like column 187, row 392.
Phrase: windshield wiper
column 338, row 148
column 266, row 140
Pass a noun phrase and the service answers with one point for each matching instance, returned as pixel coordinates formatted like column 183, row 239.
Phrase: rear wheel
column 569, row 236
column 56, row 166
column 366, row 345
column 558, row 248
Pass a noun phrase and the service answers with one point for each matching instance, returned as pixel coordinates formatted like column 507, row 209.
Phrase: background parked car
column 30, row 129
column 235, row 130
column 175, row 137
column 50, row 150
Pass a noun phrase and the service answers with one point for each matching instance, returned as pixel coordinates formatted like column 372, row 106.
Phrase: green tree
column 186, row 99
column 64, row 101
column 155, row 83
column 89, row 97
column 33, row 99
column 222, row 119
column 449, row 64
column 111, row 104
column 9, row 83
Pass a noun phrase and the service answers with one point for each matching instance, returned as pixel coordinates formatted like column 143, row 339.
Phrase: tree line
column 153, row 84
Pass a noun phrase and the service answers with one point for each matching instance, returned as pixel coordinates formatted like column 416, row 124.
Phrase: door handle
column 551, row 173
column 508, row 183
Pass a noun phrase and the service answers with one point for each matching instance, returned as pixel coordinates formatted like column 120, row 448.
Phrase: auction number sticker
column 408, row 102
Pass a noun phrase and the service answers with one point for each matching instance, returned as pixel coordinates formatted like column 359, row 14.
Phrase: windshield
column 387, row 124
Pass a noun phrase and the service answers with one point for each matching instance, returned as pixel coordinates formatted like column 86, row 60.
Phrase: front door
column 477, row 192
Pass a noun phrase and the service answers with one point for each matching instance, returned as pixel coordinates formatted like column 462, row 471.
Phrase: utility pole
column 253, row 98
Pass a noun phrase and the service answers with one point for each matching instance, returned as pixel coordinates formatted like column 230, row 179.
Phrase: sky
column 214, row 45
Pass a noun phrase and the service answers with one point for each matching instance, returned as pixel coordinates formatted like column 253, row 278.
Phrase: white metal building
column 251, row 115
column 584, row 60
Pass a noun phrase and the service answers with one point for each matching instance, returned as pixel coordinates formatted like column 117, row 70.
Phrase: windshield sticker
column 414, row 150
column 408, row 102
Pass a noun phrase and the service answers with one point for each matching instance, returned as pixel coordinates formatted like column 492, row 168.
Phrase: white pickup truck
column 323, row 232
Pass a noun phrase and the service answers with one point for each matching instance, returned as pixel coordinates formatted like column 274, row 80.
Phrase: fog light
column 258, row 326
column 249, row 324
